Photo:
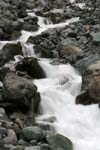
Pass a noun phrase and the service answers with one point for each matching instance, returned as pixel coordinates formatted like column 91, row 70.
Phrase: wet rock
column 94, row 88
column 30, row 24
column 70, row 50
column 8, row 136
column 92, row 71
column 6, row 124
column 7, row 20
column 22, row 142
column 14, row 116
column 8, row 52
column 45, row 147
column 82, row 64
column 33, row 148
column 11, row 138
column 30, row 4
column 33, row 142
column 3, row 72
column 20, row 147
column 16, row 3
column 59, row 142
column 21, row 9
column 69, row 41
column 96, row 37
column 20, row 93
column 17, row 126
column 55, row 17
column 19, row 122
column 47, row 5
column 31, row 67
column 9, row 147
column 91, row 95
column 50, row 119
column 3, row 115
column 90, row 86
column 47, row 43
column 30, row 119
column 32, row 133
column 3, row 134
column 84, row 99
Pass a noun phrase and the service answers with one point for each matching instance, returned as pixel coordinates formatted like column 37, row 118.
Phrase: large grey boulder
column 19, row 91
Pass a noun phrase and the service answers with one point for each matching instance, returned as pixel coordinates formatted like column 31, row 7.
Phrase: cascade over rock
column 47, row 43
column 41, row 28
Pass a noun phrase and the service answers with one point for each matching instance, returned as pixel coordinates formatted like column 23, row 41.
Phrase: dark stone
column 31, row 67
column 9, row 22
column 46, row 44
column 36, row 102
column 84, row 99
column 16, row 3
column 3, row 72
column 30, row 24
column 8, row 52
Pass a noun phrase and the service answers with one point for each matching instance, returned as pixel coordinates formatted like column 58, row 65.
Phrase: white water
column 81, row 5
column 72, row 1
column 79, row 123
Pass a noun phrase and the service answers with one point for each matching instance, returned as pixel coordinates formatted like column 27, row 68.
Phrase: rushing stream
column 79, row 123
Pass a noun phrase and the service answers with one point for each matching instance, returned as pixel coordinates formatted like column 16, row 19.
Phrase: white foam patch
column 72, row 1
column 81, row 5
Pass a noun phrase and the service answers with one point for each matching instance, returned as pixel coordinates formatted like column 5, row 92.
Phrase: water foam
column 58, row 91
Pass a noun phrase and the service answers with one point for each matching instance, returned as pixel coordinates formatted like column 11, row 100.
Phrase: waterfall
column 58, row 91
column 81, row 124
